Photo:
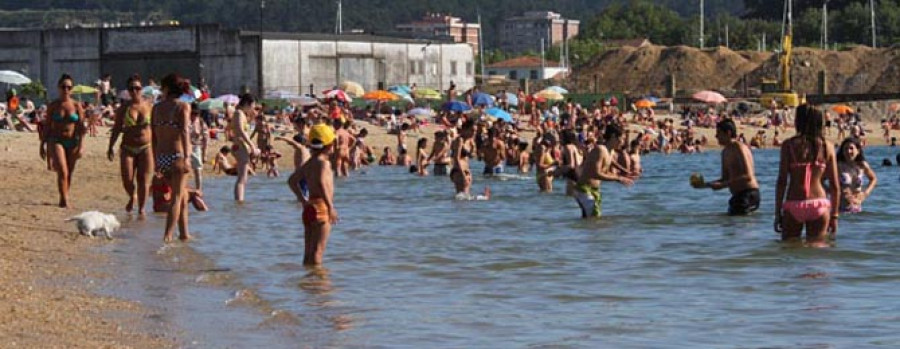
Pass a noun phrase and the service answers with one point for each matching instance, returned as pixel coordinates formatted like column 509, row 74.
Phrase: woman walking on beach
column 171, row 147
column 807, row 159
column 64, row 134
column 132, row 121
column 242, row 146
column 852, row 167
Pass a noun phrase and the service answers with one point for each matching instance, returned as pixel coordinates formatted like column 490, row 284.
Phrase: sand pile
column 644, row 70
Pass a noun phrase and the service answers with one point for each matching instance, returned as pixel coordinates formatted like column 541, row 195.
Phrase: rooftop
column 523, row 62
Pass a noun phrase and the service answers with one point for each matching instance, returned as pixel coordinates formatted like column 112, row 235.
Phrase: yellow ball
column 697, row 180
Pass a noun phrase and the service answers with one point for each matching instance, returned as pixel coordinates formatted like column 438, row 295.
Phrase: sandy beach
column 51, row 275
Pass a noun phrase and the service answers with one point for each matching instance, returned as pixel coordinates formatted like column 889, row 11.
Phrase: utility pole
column 339, row 21
column 825, row 25
column 701, row 24
column 543, row 62
column 260, row 83
column 872, row 10
column 726, row 36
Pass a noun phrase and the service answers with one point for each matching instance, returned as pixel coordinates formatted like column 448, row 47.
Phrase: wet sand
column 54, row 283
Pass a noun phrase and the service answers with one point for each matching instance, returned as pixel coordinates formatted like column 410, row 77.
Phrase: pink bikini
column 808, row 210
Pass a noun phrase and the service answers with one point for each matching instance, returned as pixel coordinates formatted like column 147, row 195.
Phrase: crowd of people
column 164, row 141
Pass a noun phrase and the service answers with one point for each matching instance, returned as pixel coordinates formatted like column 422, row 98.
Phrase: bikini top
column 807, row 176
column 170, row 123
column 62, row 118
column 851, row 177
column 130, row 121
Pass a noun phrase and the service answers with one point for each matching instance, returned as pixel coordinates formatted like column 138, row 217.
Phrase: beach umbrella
column 482, row 99
column 498, row 113
column 229, row 98
column 456, row 106
column 427, row 93
column 305, row 101
column 380, row 95
column 352, row 88
column 842, row 109
column 420, row 112
column 400, row 89
column 13, row 78
column 549, row 95
column 83, row 90
column 644, row 103
column 337, row 94
column 559, row 89
column 212, row 103
column 652, row 99
column 711, row 97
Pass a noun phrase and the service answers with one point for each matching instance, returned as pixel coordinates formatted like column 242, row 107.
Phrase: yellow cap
column 321, row 135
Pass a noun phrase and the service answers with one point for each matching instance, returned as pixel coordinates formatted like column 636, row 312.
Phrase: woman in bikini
column 460, row 151
column 132, row 121
column 171, row 147
column 853, row 167
column 63, row 136
column 807, row 159
column 242, row 146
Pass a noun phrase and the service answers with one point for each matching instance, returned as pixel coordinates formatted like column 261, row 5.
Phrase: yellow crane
column 780, row 91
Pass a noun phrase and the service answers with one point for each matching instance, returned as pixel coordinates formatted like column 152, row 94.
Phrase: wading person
column 314, row 187
column 171, row 144
column 598, row 167
column 132, row 121
column 738, row 173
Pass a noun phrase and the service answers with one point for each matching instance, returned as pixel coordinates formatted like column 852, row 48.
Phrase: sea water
column 409, row 266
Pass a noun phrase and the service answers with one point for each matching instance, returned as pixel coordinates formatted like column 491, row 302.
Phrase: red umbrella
column 337, row 94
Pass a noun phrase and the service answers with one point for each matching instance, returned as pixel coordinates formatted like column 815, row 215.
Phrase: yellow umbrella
column 842, row 109
column 380, row 95
column 83, row 89
column 427, row 93
column 549, row 95
column 644, row 103
column 352, row 88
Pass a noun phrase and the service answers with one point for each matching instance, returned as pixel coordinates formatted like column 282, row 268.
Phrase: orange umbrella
column 380, row 95
column 842, row 109
column 644, row 103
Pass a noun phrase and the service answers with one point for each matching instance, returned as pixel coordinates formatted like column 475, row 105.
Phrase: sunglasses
column 66, row 87
column 135, row 88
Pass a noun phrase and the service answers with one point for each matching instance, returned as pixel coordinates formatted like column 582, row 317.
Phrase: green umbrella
column 212, row 103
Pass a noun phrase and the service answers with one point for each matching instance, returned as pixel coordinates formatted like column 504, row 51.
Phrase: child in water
column 269, row 158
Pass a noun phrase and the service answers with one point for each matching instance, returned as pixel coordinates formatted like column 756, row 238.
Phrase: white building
column 526, row 67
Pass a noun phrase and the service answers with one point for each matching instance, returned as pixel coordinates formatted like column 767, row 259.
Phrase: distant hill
column 318, row 15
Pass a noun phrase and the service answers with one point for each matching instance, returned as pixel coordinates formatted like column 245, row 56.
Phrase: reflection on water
column 409, row 266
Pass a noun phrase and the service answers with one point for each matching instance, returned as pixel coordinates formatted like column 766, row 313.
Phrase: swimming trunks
column 744, row 203
column 589, row 199
column 315, row 211
column 197, row 158
column 440, row 169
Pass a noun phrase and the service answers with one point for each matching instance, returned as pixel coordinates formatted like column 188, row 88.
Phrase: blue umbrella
column 482, row 99
column 400, row 89
column 499, row 114
column 456, row 106
column 512, row 99
column 652, row 99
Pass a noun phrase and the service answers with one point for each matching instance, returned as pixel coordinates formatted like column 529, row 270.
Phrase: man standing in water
column 737, row 171
column 314, row 188
column 597, row 167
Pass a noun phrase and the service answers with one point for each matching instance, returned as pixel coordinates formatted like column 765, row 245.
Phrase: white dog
column 92, row 221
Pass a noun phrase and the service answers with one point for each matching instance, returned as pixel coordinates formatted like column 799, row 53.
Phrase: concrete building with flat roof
column 439, row 25
column 231, row 60
column 524, row 33
column 530, row 68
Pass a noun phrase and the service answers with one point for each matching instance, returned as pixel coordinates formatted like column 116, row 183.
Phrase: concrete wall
column 326, row 63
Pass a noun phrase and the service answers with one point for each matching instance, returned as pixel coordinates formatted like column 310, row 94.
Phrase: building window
column 513, row 75
column 470, row 69
column 453, row 68
column 412, row 67
column 533, row 75
column 421, row 67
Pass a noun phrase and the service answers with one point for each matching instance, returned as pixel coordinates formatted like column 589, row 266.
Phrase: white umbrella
column 420, row 112
column 13, row 78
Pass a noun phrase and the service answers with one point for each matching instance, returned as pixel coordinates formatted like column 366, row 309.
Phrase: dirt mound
column 645, row 70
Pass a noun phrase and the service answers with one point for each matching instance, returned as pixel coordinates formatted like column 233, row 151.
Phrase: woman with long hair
column 852, row 167
column 171, row 146
column 63, row 136
column 800, row 197
column 132, row 121
column 242, row 147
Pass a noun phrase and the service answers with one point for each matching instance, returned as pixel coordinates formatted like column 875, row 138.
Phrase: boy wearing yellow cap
column 313, row 184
